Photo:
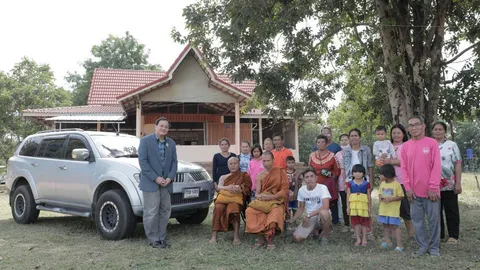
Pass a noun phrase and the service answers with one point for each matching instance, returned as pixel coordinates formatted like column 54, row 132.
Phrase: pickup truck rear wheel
column 114, row 216
column 195, row 218
column 24, row 208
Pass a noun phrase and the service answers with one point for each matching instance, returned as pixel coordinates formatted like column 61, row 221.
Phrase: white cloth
column 355, row 159
column 313, row 198
column 381, row 147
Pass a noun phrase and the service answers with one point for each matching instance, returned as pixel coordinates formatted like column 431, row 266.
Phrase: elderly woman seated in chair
column 233, row 188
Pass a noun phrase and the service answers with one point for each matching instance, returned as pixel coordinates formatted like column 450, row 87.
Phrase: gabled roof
column 244, row 89
column 107, row 84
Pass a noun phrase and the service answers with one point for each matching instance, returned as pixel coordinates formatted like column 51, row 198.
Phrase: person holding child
column 390, row 194
column 359, row 204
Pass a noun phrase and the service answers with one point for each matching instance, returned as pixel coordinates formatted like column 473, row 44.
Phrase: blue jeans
column 420, row 208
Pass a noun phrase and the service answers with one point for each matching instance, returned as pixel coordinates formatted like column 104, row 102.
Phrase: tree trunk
column 400, row 101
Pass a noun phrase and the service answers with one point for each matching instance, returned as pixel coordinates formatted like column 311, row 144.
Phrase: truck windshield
column 117, row 146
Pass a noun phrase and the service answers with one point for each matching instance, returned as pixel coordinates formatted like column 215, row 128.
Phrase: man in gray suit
column 157, row 156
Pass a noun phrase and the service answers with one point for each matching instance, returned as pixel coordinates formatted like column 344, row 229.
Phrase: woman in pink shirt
column 399, row 135
column 255, row 167
column 344, row 142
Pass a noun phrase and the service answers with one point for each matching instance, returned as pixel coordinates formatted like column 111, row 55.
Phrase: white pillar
column 237, row 127
column 297, row 148
column 260, row 132
column 138, row 127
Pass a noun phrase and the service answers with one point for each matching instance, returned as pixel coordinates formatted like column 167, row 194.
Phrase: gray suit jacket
column 150, row 165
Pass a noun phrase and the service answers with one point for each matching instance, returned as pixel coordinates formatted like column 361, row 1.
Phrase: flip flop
column 258, row 245
column 271, row 247
column 385, row 245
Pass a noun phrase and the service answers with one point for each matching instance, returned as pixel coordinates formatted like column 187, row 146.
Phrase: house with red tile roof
column 202, row 106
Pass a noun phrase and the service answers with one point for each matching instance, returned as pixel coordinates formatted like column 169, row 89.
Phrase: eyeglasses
column 416, row 125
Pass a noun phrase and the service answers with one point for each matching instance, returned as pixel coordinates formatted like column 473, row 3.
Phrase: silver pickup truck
column 95, row 175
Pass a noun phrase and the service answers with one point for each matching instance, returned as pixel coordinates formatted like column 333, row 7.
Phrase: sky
column 61, row 33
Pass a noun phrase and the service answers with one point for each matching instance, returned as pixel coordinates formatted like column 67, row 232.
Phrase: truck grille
column 196, row 176
column 177, row 198
column 179, row 178
column 199, row 176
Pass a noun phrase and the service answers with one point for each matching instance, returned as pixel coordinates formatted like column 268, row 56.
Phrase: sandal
column 258, row 245
column 452, row 241
column 385, row 245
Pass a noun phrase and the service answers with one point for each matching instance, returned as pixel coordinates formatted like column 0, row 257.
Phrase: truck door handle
column 34, row 164
column 62, row 167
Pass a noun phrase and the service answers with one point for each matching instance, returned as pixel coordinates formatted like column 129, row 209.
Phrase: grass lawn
column 66, row 242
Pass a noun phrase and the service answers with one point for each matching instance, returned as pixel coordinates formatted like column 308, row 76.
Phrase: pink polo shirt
column 421, row 166
column 254, row 168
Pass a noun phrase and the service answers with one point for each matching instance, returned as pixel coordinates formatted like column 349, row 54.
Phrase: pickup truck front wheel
column 24, row 209
column 195, row 218
column 114, row 216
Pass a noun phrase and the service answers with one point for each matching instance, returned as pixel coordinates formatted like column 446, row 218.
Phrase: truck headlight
column 137, row 177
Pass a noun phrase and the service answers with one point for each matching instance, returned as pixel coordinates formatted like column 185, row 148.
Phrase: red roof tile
column 107, row 84
column 87, row 109
column 245, row 86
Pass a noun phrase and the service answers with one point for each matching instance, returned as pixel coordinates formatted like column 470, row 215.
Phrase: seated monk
column 235, row 186
column 272, row 190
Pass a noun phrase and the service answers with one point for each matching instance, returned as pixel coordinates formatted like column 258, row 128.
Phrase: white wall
column 204, row 153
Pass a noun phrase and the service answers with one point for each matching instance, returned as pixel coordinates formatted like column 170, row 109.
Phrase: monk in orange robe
column 272, row 185
column 224, row 214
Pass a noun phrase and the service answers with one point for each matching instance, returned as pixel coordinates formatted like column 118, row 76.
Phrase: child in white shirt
column 383, row 148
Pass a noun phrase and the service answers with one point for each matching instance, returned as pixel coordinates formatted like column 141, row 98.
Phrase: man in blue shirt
column 157, row 156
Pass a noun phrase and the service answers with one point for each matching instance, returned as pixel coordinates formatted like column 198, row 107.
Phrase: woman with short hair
column 220, row 160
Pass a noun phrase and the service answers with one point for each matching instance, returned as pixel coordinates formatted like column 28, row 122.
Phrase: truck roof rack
column 60, row 130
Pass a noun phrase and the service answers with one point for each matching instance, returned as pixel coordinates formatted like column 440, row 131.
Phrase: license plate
column 191, row 193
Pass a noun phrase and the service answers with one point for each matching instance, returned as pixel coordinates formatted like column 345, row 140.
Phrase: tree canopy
column 29, row 85
column 300, row 52
column 114, row 52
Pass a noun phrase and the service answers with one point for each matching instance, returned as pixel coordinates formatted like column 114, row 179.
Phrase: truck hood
column 183, row 166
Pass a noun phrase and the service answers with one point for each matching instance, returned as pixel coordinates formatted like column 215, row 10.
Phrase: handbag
column 226, row 197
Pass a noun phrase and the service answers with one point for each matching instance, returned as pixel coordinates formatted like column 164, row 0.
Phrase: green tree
column 29, row 85
column 114, row 52
column 306, row 139
column 300, row 50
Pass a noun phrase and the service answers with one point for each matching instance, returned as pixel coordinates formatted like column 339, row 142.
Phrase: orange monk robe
column 275, row 182
column 225, row 214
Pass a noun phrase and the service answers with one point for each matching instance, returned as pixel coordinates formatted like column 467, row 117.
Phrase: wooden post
column 260, row 131
column 138, row 115
column 297, row 147
column 99, row 126
column 237, row 127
